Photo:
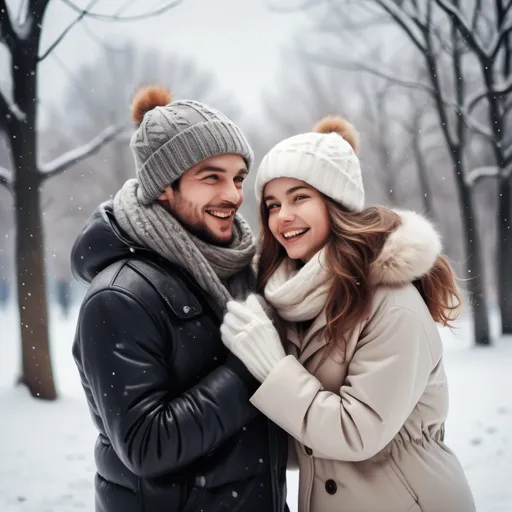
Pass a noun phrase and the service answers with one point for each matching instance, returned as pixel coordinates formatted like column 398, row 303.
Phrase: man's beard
column 202, row 232
column 198, row 229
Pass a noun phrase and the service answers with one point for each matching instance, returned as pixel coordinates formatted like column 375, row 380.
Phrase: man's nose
column 231, row 194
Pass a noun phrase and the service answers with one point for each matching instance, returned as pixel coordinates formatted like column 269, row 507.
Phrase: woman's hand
column 250, row 335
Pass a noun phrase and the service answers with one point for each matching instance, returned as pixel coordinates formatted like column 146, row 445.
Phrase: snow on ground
column 46, row 449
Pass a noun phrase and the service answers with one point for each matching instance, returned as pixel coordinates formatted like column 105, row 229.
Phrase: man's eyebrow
column 210, row 168
column 288, row 192
column 213, row 168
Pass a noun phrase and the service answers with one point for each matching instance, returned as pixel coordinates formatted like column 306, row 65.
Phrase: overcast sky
column 240, row 40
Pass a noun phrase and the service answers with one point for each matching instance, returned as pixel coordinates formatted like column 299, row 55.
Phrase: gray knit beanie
column 173, row 136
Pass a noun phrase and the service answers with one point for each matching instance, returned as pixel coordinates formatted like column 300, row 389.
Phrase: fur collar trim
column 409, row 252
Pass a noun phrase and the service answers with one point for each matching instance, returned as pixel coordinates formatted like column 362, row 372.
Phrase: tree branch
column 476, row 175
column 470, row 123
column 6, row 179
column 475, row 125
column 66, row 31
column 5, row 112
column 508, row 160
column 506, row 9
column 476, row 14
column 464, row 29
column 76, row 155
column 114, row 17
column 507, row 108
column 358, row 66
column 7, row 33
column 400, row 17
column 504, row 90
column 500, row 37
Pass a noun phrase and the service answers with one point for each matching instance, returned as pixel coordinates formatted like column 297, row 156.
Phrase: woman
column 358, row 293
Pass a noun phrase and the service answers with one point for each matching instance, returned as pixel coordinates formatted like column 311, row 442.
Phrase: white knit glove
column 250, row 335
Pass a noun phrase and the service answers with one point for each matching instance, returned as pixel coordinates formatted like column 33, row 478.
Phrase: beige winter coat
column 370, row 426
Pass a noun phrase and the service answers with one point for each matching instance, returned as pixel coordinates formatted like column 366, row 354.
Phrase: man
column 176, row 429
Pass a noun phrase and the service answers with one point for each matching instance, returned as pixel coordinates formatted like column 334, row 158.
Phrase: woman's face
column 297, row 217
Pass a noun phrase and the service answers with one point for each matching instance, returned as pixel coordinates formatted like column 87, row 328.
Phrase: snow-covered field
column 46, row 462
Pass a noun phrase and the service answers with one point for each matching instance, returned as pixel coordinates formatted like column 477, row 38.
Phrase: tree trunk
column 476, row 280
column 426, row 194
column 504, row 245
column 504, row 256
column 37, row 372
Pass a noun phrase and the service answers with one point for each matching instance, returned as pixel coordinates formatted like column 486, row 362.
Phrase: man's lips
column 221, row 213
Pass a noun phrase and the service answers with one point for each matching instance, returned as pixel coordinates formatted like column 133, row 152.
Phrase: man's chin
column 214, row 237
column 222, row 239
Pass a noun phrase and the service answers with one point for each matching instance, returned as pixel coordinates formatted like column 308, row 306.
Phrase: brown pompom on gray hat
column 173, row 136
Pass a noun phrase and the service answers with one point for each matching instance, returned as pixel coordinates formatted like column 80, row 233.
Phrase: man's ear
column 167, row 195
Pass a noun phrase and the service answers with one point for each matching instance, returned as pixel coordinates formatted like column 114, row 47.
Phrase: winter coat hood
column 99, row 244
column 409, row 252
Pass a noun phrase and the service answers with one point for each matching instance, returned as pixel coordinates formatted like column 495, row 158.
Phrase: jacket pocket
column 399, row 481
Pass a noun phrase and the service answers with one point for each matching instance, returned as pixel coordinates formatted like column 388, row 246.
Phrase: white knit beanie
column 325, row 159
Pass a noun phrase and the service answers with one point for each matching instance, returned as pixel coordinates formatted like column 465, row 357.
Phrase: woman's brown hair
column 355, row 242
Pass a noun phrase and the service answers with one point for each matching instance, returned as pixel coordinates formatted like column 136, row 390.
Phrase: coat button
column 331, row 487
column 308, row 450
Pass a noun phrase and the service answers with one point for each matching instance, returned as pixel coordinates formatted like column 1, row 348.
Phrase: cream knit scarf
column 299, row 295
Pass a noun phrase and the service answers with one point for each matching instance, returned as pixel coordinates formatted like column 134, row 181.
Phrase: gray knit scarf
column 223, row 273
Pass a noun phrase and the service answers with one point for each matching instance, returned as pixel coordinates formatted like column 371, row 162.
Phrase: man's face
column 208, row 196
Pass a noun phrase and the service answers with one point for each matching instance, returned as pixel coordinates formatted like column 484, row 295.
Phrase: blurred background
column 428, row 84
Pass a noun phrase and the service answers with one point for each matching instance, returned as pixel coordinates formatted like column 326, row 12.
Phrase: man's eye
column 240, row 179
column 212, row 177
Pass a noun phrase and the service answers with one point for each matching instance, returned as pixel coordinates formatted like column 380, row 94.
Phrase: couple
column 201, row 361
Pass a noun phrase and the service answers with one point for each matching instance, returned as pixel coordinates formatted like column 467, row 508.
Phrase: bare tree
column 20, row 34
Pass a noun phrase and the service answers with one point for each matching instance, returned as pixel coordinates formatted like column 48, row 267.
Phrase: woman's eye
column 272, row 206
column 299, row 198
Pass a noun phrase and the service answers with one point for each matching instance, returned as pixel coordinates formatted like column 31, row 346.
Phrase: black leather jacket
column 176, row 429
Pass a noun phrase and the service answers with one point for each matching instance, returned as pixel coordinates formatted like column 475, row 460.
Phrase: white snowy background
column 46, row 449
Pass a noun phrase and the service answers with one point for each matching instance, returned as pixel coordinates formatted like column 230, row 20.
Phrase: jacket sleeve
column 386, row 377
column 153, row 431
